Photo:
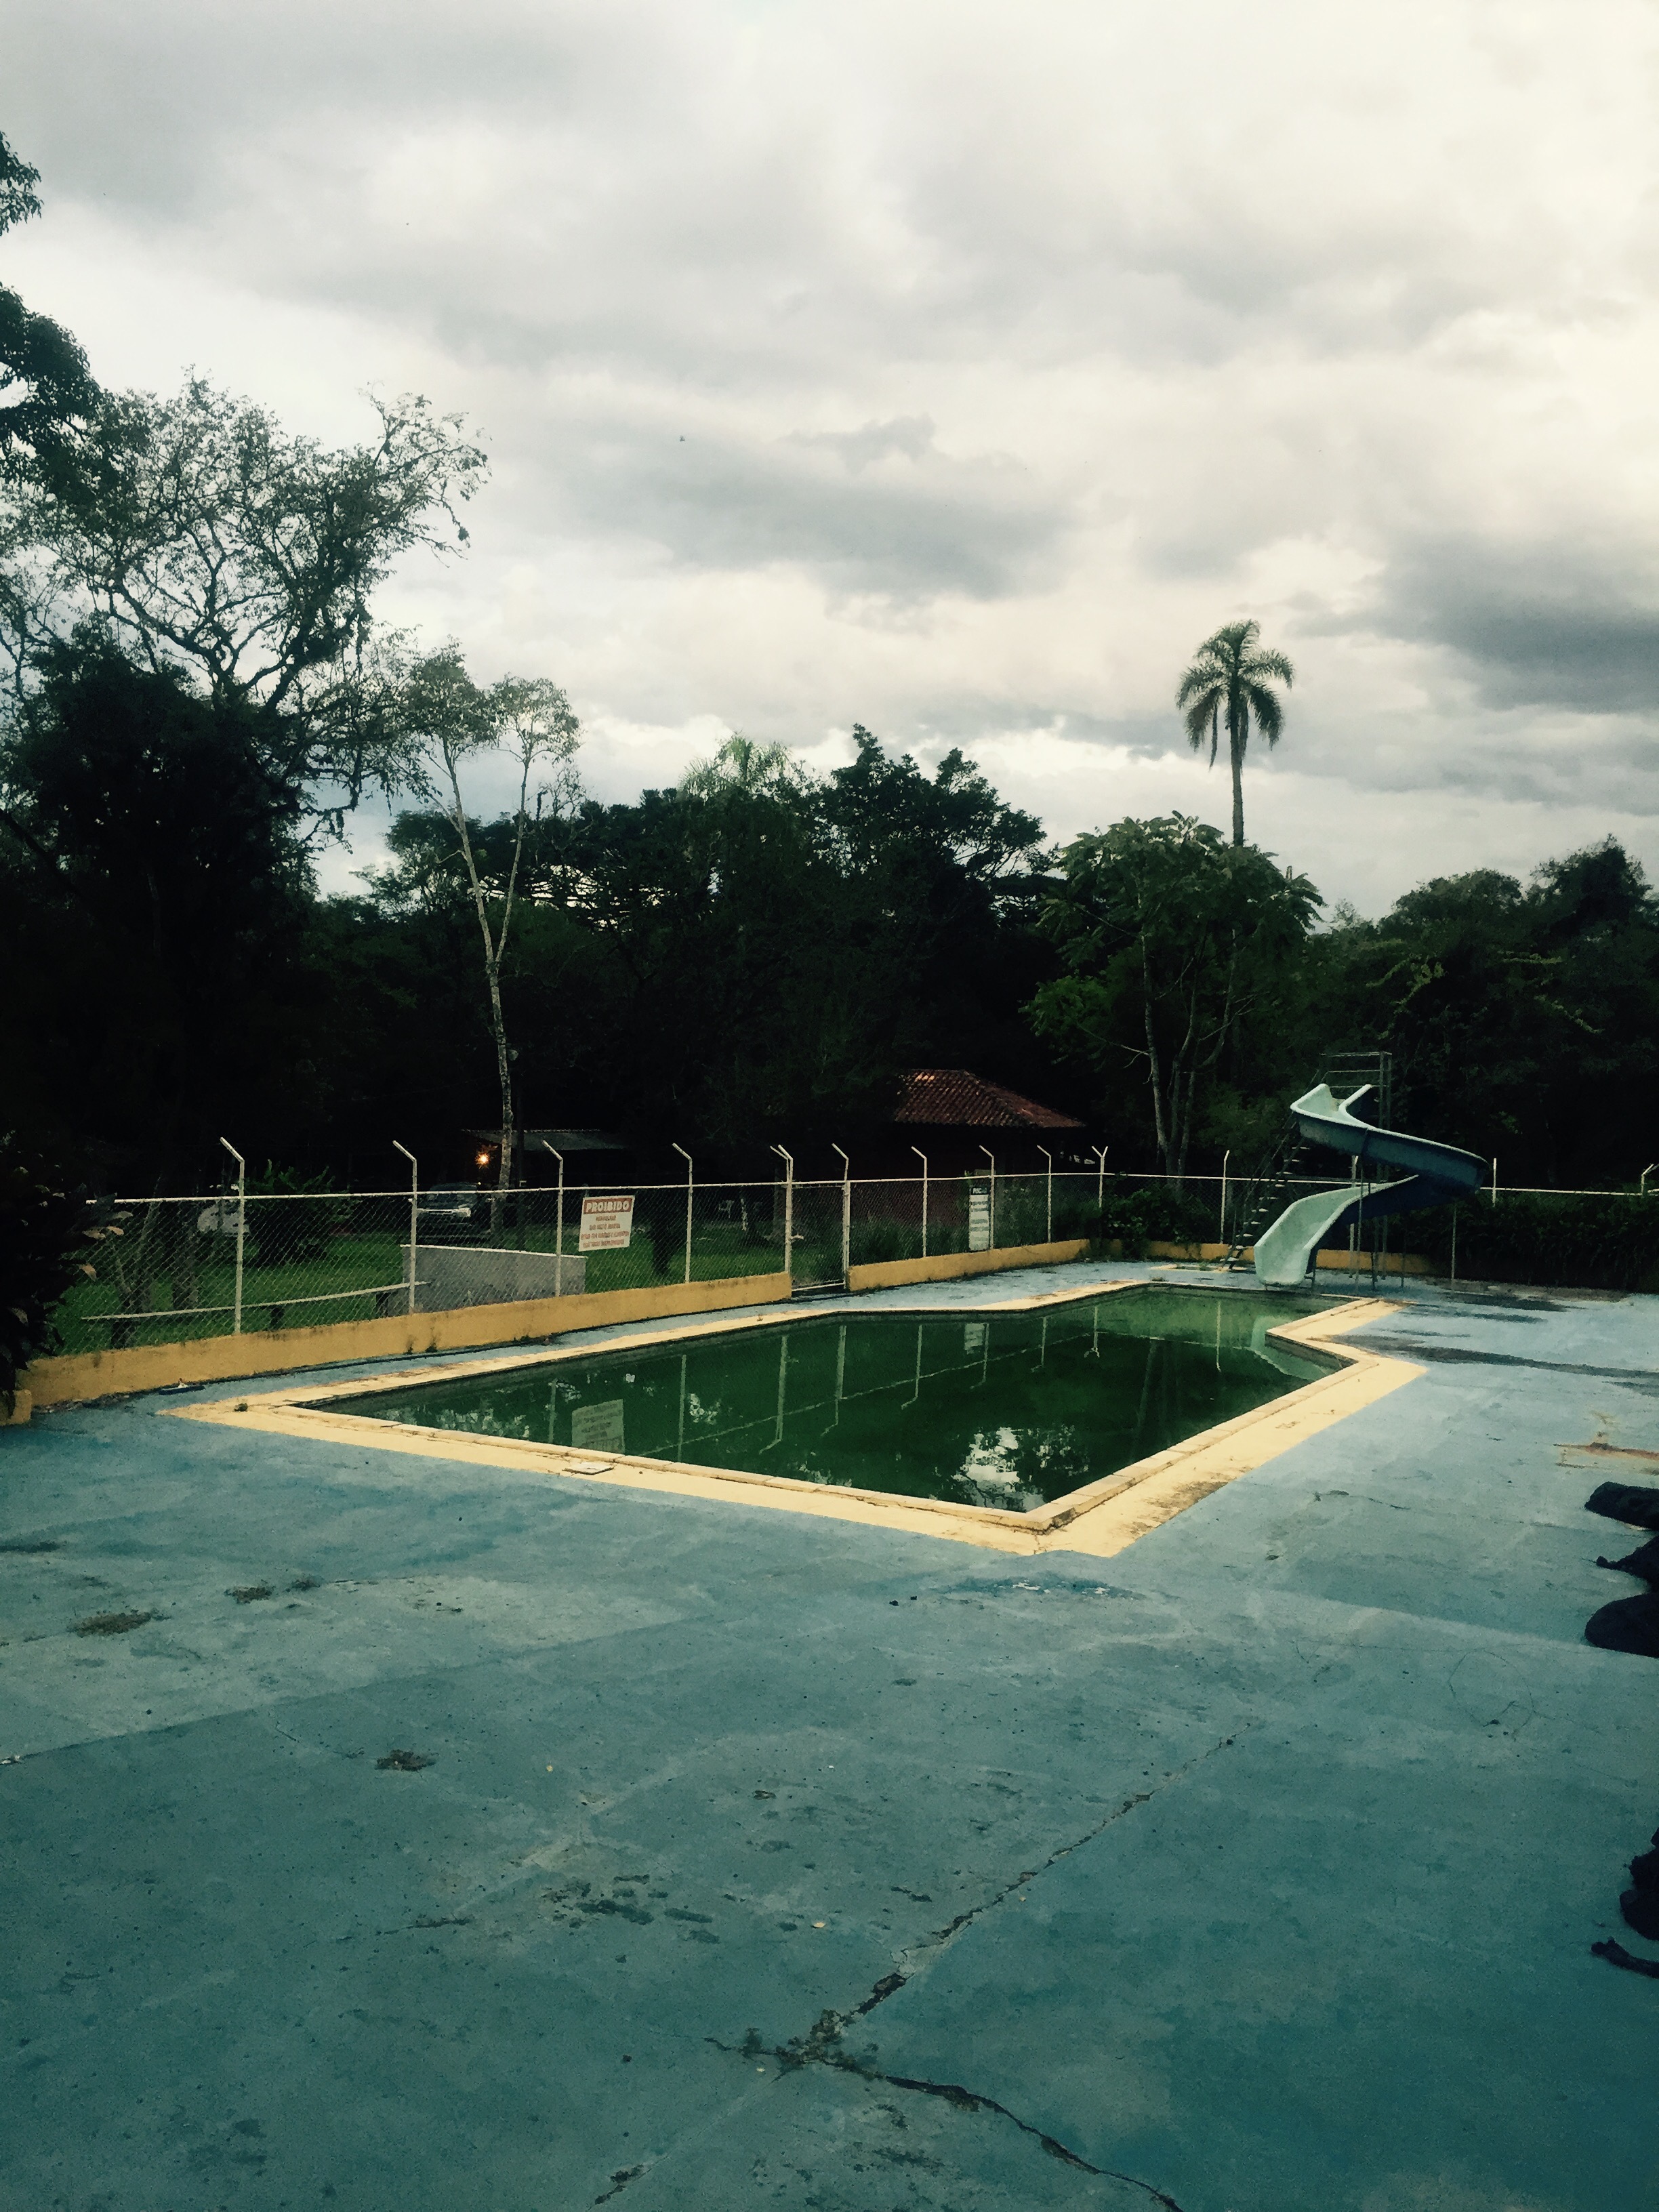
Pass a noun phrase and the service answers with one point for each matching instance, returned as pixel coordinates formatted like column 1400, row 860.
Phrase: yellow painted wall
column 1391, row 1263
column 275, row 1351
column 1415, row 1263
column 888, row 1275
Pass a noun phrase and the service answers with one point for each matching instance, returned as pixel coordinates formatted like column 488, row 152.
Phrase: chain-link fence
column 1583, row 1239
column 217, row 1264
column 214, row 1264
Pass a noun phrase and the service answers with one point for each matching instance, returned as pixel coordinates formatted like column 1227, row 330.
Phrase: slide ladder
column 1264, row 1195
column 1436, row 1175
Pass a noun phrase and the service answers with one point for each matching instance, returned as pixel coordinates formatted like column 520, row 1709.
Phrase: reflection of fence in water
column 812, row 1384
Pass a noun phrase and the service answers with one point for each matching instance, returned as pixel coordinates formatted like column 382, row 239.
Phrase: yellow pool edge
column 1100, row 1520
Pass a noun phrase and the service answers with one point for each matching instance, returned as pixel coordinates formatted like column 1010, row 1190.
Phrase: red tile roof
column 954, row 1097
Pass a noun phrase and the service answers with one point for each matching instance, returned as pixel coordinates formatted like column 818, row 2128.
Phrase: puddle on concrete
column 1008, row 1410
column 1428, row 1351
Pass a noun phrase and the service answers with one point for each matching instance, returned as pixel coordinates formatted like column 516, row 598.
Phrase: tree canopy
column 154, row 899
column 1169, row 938
column 46, row 388
column 195, row 534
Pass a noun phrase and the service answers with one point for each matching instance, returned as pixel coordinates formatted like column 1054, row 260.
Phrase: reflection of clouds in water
column 989, row 1459
column 999, row 1464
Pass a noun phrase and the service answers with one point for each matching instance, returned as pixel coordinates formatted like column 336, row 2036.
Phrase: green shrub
column 1155, row 1213
column 873, row 1242
column 297, row 1227
column 1022, row 1212
column 47, row 1237
column 1609, row 1243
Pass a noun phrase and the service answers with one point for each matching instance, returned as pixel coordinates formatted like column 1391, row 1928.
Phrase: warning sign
column 979, row 1217
column 607, row 1224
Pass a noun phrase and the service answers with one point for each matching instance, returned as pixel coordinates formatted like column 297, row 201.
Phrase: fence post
column 788, row 1160
column 992, row 1157
column 1494, row 1179
column 1049, row 1237
column 1225, row 1157
column 558, row 1247
column 846, row 1212
column 1642, row 1187
column 690, row 1173
column 414, row 1211
column 241, row 1229
column 1100, row 1152
column 922, row 1157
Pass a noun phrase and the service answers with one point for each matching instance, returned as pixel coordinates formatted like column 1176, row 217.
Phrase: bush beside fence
column 1561, row 1239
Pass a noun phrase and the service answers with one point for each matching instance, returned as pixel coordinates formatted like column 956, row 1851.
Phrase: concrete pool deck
column 772, row 1860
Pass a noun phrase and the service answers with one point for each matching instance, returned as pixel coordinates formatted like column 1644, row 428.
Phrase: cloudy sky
column 951, row 369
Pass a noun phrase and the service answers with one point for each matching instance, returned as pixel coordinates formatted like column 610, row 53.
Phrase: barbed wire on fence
column 213, row 1264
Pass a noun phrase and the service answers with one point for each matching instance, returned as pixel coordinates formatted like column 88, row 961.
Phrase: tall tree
column 152, row 898
column 46, row 389
column 196, row 535
column 1169, row 936
column 1231, row 680
column 946, row 880
column 1524, row 1020
column 455, row 721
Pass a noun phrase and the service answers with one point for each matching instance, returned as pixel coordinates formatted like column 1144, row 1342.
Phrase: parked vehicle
column 447, row 1214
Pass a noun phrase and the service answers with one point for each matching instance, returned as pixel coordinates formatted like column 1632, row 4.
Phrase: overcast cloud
column 951, row 369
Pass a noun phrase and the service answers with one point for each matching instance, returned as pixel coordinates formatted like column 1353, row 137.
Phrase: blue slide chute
column 1437, row 1174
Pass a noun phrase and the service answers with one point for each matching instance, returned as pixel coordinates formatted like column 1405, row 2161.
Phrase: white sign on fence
column 607, row 1224
column 598, row 1428
column 979, row 1217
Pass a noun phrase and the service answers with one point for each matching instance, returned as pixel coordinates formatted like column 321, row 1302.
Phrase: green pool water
column 1011, row 1410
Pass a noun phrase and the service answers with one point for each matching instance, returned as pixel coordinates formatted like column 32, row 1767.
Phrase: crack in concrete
column 619, row 2181
column 922, row 1952
column 820, row 2045
column 969, row 2100
column 817, row 2048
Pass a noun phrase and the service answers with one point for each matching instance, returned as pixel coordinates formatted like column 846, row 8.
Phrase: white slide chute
column 1437, row 1174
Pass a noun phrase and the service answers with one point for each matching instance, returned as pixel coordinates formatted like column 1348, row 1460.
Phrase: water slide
column 1438, row 1174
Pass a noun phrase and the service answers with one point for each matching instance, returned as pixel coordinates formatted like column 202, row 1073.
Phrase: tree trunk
column 495, row 943
column 1154, row 1065
column 1180, row 1118
column 504, row 1072
column 1238, row 733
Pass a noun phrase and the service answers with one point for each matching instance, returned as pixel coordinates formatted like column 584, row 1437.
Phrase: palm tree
column 1231, row 677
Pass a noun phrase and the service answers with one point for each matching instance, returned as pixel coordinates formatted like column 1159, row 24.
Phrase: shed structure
column 949, row 1113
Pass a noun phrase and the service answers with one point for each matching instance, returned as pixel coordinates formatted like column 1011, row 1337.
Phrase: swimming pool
column 1006, row 1410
